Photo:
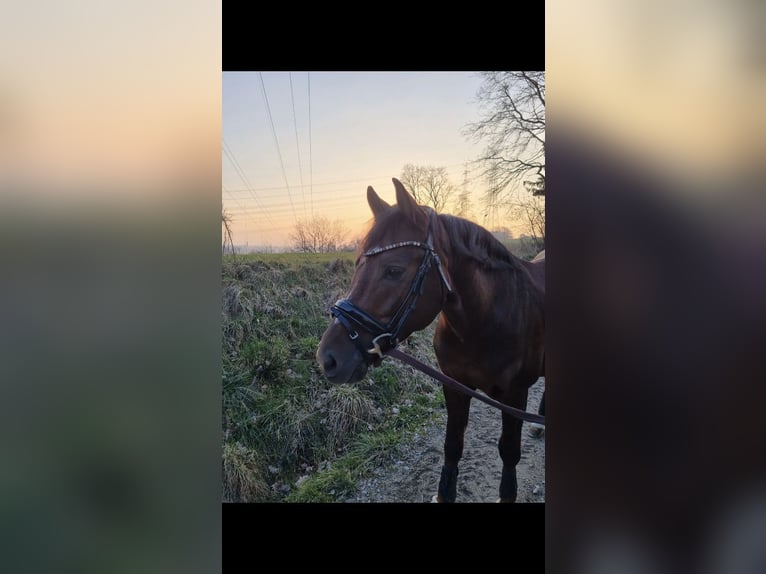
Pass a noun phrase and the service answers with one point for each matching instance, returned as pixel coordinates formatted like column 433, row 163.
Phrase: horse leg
column 458, row 406
column 509, row 446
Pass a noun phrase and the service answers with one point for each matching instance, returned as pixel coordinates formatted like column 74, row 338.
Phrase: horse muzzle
column 340, row 361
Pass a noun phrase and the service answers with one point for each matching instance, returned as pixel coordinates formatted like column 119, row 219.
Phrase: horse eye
column 393, row 272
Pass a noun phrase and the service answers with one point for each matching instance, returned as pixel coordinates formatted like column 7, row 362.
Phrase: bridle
column 386, row 336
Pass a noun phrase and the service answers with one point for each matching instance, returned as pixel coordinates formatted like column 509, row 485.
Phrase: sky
column 279, row 165
column 121, row 99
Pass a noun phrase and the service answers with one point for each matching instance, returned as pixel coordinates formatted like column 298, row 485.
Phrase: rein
column 450, row 382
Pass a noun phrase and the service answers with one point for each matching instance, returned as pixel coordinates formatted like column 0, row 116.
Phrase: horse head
column 399, row 285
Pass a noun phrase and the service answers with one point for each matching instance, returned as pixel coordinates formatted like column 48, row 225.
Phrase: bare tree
column 318, row 235
column 227, row 236
column 530, row 210
column 428, row 185
column 512, row 107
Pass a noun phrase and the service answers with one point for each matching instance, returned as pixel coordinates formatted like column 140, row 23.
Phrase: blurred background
column 110, row 129
column 110, row 173
column 656, row 436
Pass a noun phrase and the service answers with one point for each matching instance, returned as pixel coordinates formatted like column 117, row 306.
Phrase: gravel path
column 414, row 474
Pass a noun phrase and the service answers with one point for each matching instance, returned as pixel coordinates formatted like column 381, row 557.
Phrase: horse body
column 482, row 337
column 491, row 324
column 489, row 336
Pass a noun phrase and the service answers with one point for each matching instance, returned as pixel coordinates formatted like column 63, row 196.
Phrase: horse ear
column 377, row 205
column 405, row 201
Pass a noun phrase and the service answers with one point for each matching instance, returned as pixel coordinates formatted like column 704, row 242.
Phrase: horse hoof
column 504, row 501
column 536, row 431
column 435, row 498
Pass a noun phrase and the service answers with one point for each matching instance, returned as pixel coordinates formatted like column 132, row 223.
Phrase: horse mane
column 474, row 248
column 467, row 240
column 472, row 241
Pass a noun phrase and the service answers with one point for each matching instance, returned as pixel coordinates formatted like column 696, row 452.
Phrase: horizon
column 350, row 244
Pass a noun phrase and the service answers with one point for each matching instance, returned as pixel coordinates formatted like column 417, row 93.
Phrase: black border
column 393, row 532
column 326, row 41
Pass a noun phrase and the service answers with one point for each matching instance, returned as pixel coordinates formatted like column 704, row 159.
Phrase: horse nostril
column 329, row 363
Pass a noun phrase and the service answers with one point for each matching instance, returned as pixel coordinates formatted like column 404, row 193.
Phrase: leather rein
column 450, row 382
column 385, row 336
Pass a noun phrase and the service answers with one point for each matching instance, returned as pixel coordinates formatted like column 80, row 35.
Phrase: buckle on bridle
column 376, row 350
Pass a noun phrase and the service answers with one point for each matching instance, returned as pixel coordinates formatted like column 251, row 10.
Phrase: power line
column 364, row 181
column 311, row 156
column 243, row 176
column 297, row 144
column 276, row 141
column 330, row 193
column 249, row 220
column 242, row 207
column 279, row 209
column 340, row 198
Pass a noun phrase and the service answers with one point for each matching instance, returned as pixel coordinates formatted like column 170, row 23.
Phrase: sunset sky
column 110, row 100
column 364, row 127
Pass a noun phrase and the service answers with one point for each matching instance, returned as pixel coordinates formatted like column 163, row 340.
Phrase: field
column 288, row 435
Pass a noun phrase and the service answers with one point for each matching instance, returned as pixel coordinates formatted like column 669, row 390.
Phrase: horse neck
column 482, row 287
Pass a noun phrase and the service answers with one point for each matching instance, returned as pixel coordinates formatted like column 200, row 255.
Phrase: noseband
column 385, row 336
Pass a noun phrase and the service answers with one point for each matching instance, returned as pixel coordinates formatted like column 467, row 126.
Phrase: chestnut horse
column 415, row 264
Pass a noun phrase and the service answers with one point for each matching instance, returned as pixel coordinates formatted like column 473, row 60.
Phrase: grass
column 292, row 259
column 288, row 434
column 339, row 479
column 243, row 477
column 348, row 409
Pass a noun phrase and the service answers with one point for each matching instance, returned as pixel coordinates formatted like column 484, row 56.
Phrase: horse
column 415, row 264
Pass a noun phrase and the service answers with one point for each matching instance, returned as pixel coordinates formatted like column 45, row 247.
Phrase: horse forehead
column 393, row 229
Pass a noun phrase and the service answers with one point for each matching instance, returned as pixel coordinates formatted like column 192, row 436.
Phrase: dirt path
column 414, row 474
